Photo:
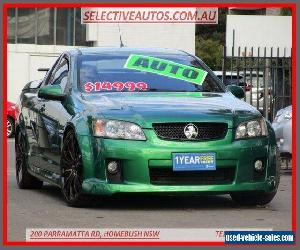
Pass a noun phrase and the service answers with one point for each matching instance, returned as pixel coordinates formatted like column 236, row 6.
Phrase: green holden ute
column 126, row 120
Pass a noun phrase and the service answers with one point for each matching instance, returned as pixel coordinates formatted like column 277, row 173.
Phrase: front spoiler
column 97, row 187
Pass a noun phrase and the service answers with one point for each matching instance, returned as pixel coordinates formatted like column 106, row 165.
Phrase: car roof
column 125, row 50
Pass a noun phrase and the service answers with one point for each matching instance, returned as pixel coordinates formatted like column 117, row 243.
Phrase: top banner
column 149, row 15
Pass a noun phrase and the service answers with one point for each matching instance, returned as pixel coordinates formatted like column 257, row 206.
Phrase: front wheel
column 253, row 199
column 72, row 171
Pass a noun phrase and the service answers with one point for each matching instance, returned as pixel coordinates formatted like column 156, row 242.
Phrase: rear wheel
column 253, row 199
column 72, row 171
column 10, row 124
column 24, row 179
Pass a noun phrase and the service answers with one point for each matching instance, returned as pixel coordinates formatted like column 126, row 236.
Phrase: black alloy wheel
column 24, row 179
column 72, row 170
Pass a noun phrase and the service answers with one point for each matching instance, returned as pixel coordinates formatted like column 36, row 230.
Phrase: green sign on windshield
column 166, row 68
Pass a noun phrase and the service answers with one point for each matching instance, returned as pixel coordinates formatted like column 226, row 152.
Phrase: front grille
column 161, row 176
column 206, row 131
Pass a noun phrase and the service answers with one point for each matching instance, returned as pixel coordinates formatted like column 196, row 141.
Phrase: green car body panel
column 45, row 122
column 139, row 156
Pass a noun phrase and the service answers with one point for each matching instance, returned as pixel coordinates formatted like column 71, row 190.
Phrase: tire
column 72, row 171
column 24, row 179
column 10, row 127
column 253, row 199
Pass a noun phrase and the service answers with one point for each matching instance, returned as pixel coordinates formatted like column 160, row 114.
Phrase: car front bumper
column 139, row 158
column 96, row 186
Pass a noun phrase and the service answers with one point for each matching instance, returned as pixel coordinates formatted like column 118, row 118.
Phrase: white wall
column 166, row 35
column 23, row 60
column 259, row 31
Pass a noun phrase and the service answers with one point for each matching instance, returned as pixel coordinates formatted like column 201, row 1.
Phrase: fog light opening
column 113, row 167
column 258, row 165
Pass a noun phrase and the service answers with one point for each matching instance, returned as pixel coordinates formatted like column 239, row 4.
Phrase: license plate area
column 194, row 161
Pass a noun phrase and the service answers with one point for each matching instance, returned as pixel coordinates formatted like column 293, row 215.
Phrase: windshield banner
column 166, row 68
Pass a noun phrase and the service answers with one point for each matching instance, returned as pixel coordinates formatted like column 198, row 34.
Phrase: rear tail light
column 248, row 87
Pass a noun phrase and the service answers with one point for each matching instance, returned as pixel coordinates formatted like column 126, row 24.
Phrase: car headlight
column 250, row 129
column 118, row 130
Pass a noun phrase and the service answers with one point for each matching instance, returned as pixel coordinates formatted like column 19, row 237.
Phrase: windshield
column 135, row 73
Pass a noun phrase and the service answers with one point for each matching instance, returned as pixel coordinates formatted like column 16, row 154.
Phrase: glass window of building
column 11, row 25
column 26, row 27
column 64, row 26
column 80, row 30
column 45, row 26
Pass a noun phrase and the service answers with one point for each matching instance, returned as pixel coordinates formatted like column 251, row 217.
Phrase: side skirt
column 45, row 175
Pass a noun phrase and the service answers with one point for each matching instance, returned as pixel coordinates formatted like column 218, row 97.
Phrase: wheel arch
column 272, row 136
column 84, row 140
column 20, row 124
column 9, row 116
column 68, row 127
column 20, row 127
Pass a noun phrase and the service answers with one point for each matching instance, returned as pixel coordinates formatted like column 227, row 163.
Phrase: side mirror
column 237, row 91
column 51, row 92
